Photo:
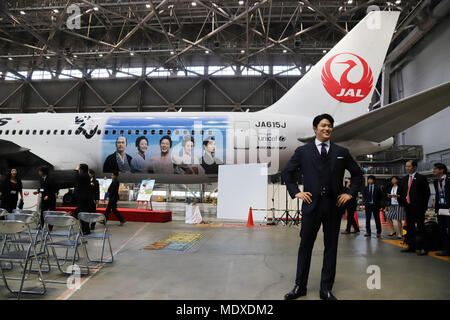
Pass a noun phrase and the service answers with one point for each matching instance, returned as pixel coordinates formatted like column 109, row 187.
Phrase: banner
column 145, row 190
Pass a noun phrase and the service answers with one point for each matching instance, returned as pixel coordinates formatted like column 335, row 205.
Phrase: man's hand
column 305, row 196
column 45, row 198
column 343, row 198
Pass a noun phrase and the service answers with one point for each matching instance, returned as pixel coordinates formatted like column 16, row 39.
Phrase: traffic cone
column 250, row 218
column 356, row 219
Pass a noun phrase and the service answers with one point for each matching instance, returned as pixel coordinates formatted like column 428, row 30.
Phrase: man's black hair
column 396, row 177
column 441, row 166
column 319, row 118
column 116, row 173
column 371, row 177
column 92, row 172
column 413, row 163
column 207, row 140
column 44, row 170
column 167, row 138
column 138, row 141
column 126, row 141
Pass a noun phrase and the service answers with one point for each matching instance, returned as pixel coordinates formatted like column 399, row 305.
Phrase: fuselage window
column 169, row 132
column 13, row 132
column 62, row 132
column 202, row 132
column 48, row 132
column 99, row 132
column 34, row 132
column 7, row 132
column 129, row 132
column 176, row 132
column 27, row 132
column 160, row 132
column 69, row 132
column 152, row 132
column 185, row 132
column 1, row 131
column 144, row 132
column 106, row 132
column 41, row 132
column 55, row 132
column 20, row 132
column 121, row 132
column 193, row 132
column 137, row 132
column 114, row 132
column 210, row 132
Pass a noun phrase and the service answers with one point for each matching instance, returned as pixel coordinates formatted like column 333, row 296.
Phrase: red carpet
column 131, row 214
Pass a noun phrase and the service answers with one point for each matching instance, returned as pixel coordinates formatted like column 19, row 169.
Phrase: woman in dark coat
column 83, row 194
column 10, row 190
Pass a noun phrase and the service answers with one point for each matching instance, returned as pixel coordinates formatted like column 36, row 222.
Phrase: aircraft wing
column 385, row 122
column 16, row 155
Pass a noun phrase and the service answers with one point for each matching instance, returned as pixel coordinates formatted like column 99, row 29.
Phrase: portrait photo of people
column 208, row 161
column 118, row 161
column 187, row 163
column 163, row 162
column 141, row 162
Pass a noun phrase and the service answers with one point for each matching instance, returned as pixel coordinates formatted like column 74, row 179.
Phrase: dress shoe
column 443, row 254
column 297, row 292
column 408, row 249
column 366, row 234
column 327, row 295
column 122, row 223
column 378, row 235
column 392, row 234
column 345, row 232
column 422, row 253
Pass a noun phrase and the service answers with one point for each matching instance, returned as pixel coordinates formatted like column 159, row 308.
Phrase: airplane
column 173, row 144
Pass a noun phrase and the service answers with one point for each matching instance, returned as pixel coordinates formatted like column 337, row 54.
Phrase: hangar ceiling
column 175, row 38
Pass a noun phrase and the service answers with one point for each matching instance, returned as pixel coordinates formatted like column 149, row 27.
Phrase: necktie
column 371, row 193
column 323, row 151
column 409, row 188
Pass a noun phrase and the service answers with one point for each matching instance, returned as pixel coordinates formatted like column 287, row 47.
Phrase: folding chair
column 103, row 236
column 11, row 228
column 24, row 211
column 59, row 233
column 70, row 223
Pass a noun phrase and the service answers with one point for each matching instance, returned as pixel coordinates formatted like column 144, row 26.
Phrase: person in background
column 187, row 163
column 119, row 160
column 141, row 161
column 351, row 209
column 83, row 195
column 442, row 204
column 47, row 192
column 95, row 193
column 10, row 190
column 396, row 210
column 163, row 163
column 113, row 197
column 416, row 193
column 372, row 199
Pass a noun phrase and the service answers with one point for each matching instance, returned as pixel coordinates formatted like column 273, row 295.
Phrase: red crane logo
column 344, row 90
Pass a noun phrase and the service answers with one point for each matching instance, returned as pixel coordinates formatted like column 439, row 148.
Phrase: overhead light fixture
column 398, row 2
column 241, row 2
column 75, row 56
column 193, row 3
column 147, row 5
column 10, row 59
column 324, row 51
column 100, row 55
column 55, row 10
column 350, row 1
column 22, row 12
column 242, row 51
column 95, row 8
column 284, row 51
column 206, row 51
column 47, row 57
column 131, row 53
column 172, row 52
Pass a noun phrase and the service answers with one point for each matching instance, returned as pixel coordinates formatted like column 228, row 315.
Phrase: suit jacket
column 110, row 164
column 377, row 196
column 82, row 188
column 95, row 190
column 113, row 190
column 400, row 192
column 446, row 194
column 48, row 187
column 305, row 161
column 419, row 192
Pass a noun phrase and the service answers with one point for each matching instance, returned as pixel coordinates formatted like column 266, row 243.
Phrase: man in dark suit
column 350, row 207
column 113, row 197
column 442, row 204
column 47, row 191
column 83, row 195
column 95, row 193
column 416, row 193
column 118, row 161
column 372, row 196
column 322, row 165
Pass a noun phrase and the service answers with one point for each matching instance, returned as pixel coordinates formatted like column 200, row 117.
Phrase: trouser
column 92, row 209
column 47, row 205
column 112, row 206
column 444, row 226
column 329, row 216
column 415, row 221
column 351, row 221
column 375, row 211
column 83, row 206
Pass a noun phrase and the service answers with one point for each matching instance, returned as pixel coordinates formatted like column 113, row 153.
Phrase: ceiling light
column 350, row 1
column 55, row 10
column 75, row 56
column 241, row 2
column 206, row 51
column 242, row 51
column 324, row 51
column 193, row 3
column 22, row 12
column 284, row 51
column 398, row 2
column 131, row 53
column 171, row 52
column 147, row 5
column 100, row 55
column 47, row 57
column 95, row 8
column 10, row 59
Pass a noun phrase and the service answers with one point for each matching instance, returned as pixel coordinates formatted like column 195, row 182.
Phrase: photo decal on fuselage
column 175, row 145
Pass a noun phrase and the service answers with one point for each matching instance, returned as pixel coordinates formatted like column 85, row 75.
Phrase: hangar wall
column 428, row 66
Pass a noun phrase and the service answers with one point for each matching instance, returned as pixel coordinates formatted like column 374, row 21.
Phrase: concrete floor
column 243, row 263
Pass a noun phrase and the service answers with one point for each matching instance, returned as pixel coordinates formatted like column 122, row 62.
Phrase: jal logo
column 355, row 80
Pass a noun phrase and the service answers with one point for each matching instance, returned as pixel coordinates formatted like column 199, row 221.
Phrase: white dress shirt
column 319, row 145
